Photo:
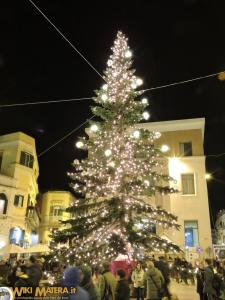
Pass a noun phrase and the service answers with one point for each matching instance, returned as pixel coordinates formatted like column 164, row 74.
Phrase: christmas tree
column 122, row 172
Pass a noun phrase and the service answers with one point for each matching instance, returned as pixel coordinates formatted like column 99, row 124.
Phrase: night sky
column 171, row 41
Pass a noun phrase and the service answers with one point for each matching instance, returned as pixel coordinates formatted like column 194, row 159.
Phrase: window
column 186, row 149
column 56, row 211
column 3, row 204
column 26, row 159
column 188, row 184
column 16, row 236
column 18, row 200
column 191, row 233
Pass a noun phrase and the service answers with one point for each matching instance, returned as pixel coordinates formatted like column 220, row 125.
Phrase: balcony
column 32, row 217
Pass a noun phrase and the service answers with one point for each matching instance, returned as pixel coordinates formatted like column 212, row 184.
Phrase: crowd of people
column 146, row 281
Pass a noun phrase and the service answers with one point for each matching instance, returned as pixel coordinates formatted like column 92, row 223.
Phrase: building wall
column 17, row 179
column 49, row 221
column 187, row 208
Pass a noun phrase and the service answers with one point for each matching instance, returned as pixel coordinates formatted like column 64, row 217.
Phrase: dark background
column 171, row 41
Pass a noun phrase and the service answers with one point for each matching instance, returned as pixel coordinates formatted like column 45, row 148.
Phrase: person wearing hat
column 71, row 279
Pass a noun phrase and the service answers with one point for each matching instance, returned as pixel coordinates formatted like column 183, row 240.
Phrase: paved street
column 184, row 292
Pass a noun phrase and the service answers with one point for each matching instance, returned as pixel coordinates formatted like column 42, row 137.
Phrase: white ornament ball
column 104, row 97
column 94, row 128
column 133, row 85
column 79, row 144
column 139, row 81
column 108, row 152
column 136, row 134
column 144, row 101
column 128, row 54
column 146, row 115
column 146, row 182
column 109, row 62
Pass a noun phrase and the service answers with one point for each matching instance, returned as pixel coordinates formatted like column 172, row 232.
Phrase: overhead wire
column 64, row 137
column 88, row 98
column 43, row 102
column 64, row 37
column 182, row 82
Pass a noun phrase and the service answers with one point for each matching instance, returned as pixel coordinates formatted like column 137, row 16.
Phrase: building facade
column 183, row 141
column 220, row 227
column 54, row 204
column 19, row 217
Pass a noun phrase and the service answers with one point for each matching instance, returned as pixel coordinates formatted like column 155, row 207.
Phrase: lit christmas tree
column 122, row 171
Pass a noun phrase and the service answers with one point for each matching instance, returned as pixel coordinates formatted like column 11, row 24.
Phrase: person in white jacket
column 137, row 278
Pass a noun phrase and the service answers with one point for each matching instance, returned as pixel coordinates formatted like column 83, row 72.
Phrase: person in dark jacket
column 34, row 272
column 87, row 283
column 200, row 282
column 163, row 267
column 208, row 280
column 122, row 288
column 71, row 279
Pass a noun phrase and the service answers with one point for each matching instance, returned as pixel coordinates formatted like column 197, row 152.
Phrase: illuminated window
column 18, row 200
column 56, row 211
column 191, row 233
column 188, row 184
column 3, row 204
column 16, row 236
column 26, row 159
column 186, row 149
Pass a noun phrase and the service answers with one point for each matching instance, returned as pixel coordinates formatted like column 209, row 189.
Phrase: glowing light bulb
column 108, row 152
column 133, row 85
column 146, row 182
column 136, row 134
column 139, row 81
column 94, row 128
column 144, row 101
column 157, row 134
column 105, row 87
column 165, row 148
column 208, row 176
column 104, row 97
column 111, row 164
column 146, row 115
column 109, row 62
column 128, row 54
column 79, row 144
